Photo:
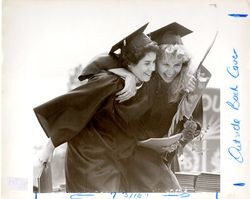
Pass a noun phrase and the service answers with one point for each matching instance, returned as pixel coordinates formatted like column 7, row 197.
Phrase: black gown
column 148, row 172
column 156, row 122
column 101, row 133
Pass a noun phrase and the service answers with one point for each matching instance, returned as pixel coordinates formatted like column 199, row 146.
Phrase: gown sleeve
column 64, row 117
column 97, row 64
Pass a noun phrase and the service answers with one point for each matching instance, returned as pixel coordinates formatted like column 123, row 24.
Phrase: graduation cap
column 135, row 40
column 170, row 34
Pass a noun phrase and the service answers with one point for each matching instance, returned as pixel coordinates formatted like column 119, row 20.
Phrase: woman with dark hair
column 167, row 87
column 100, row 131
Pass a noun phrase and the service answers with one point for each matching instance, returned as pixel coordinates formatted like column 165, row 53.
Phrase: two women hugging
column 130, row 96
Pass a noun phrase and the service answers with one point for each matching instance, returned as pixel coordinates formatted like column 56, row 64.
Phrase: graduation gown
column 100, row 132
column 149, row 172
column 158, row 119
column 156, row 122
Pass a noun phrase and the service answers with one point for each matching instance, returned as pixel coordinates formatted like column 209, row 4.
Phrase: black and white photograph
column 125, row 99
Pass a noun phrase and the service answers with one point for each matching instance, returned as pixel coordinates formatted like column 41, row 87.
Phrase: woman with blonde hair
column 167, row 87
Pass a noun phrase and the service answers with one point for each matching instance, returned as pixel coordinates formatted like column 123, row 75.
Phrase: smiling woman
column 167, row 87
column 100, row 131
column 170, row 61
column 144, row 68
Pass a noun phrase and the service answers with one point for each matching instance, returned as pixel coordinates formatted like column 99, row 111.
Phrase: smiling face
column 144, row 68
column 169, row 68
column 170, row 61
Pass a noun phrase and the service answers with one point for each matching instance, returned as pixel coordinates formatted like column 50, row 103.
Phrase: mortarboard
column 133, row 41
column 170, row 34
column 105, row 61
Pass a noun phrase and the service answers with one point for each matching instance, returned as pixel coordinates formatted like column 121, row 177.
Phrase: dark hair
column 133, row 56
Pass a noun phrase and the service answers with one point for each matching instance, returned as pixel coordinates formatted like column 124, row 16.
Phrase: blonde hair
column 179, row 53
column 176, row 51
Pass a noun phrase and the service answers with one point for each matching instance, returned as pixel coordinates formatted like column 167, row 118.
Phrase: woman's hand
column 46, row 154
column 189, row 131
column 170, row 149
column 190, row 83
column 129, row 89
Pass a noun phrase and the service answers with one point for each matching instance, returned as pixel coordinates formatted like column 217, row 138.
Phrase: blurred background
column 47, row 42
